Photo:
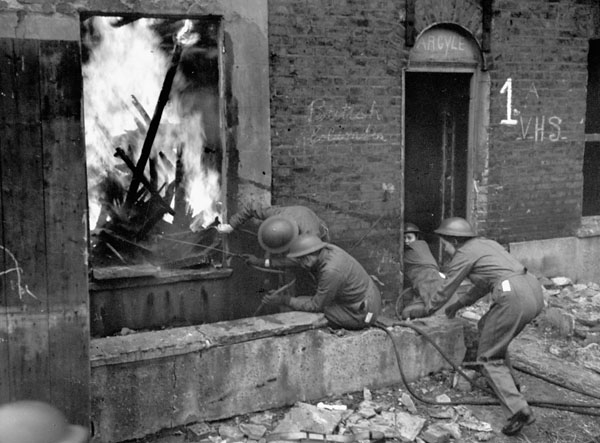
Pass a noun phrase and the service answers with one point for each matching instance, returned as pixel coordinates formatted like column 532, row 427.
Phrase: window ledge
column 148, row 275
column 590, row 227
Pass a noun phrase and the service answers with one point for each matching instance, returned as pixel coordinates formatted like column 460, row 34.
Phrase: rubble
column 568, row 354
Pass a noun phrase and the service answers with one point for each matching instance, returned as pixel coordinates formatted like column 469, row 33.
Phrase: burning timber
column 132, row 229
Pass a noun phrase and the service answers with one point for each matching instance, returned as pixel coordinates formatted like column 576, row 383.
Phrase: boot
column 518, row 420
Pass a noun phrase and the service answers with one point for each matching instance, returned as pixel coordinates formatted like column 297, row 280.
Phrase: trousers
column 358, row 315
column 516, row 301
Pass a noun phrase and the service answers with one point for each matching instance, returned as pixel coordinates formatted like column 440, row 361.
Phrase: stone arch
column 466, row 13
column 447, row 43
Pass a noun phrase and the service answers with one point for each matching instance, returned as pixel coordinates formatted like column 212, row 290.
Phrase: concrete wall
column 146, row 382
column 573, row 257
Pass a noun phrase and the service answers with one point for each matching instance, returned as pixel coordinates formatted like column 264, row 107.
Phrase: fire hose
column 565, row 406
column 275, row 292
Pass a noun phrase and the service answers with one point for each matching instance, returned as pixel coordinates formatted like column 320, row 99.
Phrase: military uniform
column 516, row 300
column 345, row 292
column 422, row 273
column 308, row 222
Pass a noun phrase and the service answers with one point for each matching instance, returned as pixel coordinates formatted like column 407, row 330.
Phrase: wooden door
column 44, row 322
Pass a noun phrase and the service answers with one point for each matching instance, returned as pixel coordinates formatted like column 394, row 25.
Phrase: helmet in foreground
column 276, row 233
column 455, row 227
column 304, row 245
column 411, row 227
column 28, row 421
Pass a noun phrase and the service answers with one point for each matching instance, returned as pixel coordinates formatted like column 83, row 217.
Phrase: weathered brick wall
column 335, row 73
column 335, row 80
column 531, row 185
column 535, row 163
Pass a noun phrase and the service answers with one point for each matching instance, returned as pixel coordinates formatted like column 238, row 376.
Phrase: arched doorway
column 442, row 119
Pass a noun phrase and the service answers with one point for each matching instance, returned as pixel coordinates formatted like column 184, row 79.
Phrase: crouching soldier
column 345, row 292
column 421, row 272
column 516, row 299
column 307, row 221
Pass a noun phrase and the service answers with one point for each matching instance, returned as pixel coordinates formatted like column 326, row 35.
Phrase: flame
column 185, row 36
column 128, row 62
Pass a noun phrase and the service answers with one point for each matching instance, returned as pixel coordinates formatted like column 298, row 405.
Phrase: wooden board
column 43, row 224
column 23, row 223
column 527, row 353
column 65, row 225
column 6, row 110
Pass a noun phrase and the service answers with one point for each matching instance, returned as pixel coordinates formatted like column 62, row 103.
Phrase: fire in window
column 153, row 140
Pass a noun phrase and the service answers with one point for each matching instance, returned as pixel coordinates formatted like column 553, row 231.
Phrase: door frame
column 479, row 99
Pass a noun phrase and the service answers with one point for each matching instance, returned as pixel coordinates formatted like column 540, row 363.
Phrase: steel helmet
column 411, row 227
column 276, row 233
column 29, row 421
column 455, row 227
column 304, row 245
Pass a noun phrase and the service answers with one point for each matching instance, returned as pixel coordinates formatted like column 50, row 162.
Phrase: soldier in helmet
column 28, row 421
column 274, row 232
column 516, row 299
column 345, row 292
column 308, row 222
column 421, row 272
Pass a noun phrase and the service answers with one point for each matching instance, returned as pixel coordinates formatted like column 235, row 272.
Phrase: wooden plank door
column 44, row 321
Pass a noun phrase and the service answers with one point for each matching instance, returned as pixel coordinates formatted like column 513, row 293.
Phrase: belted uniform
column 516, row 300
column 345, row 292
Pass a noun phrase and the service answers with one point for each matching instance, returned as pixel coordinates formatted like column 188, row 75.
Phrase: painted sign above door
column 444, row 45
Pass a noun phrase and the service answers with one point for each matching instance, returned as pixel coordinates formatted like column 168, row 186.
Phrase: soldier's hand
column 224, row 228
column 452, row 309
column 253, row 260
column 273, row 298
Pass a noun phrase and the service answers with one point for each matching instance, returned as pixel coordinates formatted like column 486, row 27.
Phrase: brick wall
column 335, row 74
column 535, row 179
column 335, row 83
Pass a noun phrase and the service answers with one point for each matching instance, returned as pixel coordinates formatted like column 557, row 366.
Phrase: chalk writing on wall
column 440, row 44
column 321, row 115
column 22, row 290
column 537, row 127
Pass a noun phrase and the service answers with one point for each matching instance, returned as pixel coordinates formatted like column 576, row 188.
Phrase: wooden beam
column 23, row 230
column 65, row 200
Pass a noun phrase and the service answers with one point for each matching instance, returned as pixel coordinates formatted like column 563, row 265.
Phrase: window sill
column 148, row 275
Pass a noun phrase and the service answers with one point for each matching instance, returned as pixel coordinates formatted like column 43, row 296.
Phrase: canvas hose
column 576, row 407
column 276, row 291
column 317, row 437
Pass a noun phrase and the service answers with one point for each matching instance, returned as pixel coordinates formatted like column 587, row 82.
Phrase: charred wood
column 154, row 124
column 123, row 156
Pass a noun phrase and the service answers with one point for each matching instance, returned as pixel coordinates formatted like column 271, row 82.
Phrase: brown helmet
column 455, row 227
column 276, row 233
column 29, row 421
column 305, row 244
column 411, row 227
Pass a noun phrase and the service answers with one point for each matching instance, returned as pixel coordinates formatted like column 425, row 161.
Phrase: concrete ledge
column 146, row 382
column 571, row 257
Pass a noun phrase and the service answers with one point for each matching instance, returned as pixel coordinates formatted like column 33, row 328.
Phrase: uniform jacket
column 422, row 271
column 485, row 262
column 417, row 256
column 340, row 280
column 308, row 222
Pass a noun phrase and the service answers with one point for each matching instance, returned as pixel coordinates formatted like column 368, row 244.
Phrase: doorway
column 436, row 149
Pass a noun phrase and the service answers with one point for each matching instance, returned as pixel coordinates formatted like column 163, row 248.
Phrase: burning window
column 153, row 140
